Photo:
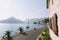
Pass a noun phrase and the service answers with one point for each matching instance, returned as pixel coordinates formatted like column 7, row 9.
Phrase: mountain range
column 14, row 20
column 11, row 20
column 34, row 20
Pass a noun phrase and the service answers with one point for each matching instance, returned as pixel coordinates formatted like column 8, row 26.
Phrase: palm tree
column 27, row 27
column 7, row 34
column 34, row 28
column 20, row 29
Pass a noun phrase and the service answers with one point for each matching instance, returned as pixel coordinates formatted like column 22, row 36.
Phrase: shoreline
column 30, row 35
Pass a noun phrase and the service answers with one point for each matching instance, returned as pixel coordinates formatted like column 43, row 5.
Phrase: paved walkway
column 30, row 35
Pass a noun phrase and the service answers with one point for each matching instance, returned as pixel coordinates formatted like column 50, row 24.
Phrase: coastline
column 30, row 35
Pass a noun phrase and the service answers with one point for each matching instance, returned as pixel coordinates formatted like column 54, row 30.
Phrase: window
column 48, row 3
column 53, row 24
column 50, row 23
column 52, row 2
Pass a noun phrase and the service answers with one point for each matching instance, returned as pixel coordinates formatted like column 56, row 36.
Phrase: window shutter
column 50, row 23
column 54, row 24
column 48, row 3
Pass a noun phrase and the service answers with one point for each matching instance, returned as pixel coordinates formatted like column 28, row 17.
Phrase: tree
column 7, row 34
column 20, row 29
column 35, row 22
column 27, row 27
column 46, row 20
column 34, row 28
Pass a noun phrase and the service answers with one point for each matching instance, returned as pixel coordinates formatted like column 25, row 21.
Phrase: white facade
column 54, row 7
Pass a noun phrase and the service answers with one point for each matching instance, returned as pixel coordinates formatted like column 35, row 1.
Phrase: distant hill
column 34, row 20
column 11, row 20
column 14, row 20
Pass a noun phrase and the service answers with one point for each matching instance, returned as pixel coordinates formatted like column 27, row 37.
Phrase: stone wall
column 54, row 7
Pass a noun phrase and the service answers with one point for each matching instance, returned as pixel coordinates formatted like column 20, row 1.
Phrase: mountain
column 11, row 20
column 34, row 20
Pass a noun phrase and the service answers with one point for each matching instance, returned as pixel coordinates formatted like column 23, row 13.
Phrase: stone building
column 53, row 7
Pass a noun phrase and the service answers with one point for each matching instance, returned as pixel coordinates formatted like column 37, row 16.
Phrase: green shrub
column 20, row 29
column 47, row 36
column 34, row 28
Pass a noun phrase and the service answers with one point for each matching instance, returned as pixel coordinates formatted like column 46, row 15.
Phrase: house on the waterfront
column 53, row 7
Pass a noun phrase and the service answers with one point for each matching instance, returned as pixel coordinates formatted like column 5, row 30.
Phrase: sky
column 21, row 9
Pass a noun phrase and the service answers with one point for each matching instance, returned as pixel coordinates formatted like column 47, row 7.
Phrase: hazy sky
column 21, row 9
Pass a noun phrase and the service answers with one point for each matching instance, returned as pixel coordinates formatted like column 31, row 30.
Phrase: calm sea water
column 14, row 27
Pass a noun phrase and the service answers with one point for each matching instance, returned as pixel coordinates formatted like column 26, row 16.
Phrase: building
column 54, row 18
